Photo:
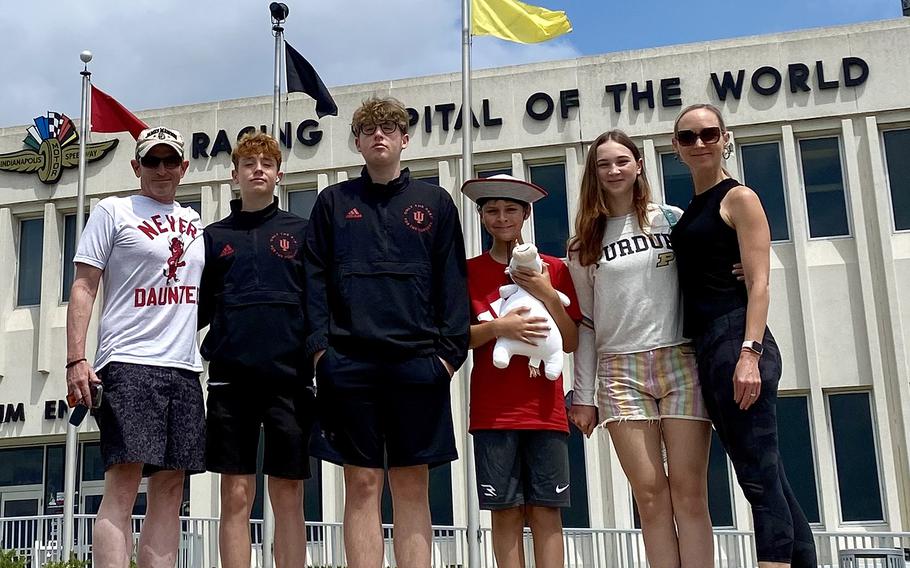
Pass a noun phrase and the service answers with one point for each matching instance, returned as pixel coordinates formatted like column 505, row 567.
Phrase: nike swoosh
column 561, row 489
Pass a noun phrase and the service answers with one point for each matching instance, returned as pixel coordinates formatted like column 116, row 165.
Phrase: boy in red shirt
column 518, row 422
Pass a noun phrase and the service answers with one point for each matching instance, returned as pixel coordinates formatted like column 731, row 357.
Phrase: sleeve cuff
column 316, row 343
column 584, row 397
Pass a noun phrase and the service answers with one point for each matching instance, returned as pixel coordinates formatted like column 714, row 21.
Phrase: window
column 31, row 242
column 577, row 515
column 824, row 184
column 796, row 452
column 433, row 179
column 720, row 498
column 69, row 251
column 762, row 172
column 486, row 240
column 678, row 185
column 301, row 203
column 897, row 150
column 551, row 214
column 855, row 457
column 22, row 466
column 92, row 463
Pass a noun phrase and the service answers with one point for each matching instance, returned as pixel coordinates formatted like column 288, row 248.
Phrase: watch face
column 754, row 346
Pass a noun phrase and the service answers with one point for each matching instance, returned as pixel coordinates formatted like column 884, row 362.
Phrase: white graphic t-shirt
column 630, row 300
column 152, row 255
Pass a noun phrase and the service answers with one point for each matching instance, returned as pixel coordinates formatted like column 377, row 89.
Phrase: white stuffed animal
column 513, row 296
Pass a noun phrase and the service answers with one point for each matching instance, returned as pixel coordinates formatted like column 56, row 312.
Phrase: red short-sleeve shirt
column 510, row 399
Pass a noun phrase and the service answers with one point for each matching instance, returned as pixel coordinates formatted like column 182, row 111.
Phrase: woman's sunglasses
column 708, row 135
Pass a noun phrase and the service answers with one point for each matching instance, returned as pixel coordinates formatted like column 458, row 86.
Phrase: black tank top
column 706, row 250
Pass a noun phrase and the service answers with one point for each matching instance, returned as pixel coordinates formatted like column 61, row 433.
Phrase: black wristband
column 74, row 362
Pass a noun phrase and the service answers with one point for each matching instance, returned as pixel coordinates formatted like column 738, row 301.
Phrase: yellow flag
column 516, row 21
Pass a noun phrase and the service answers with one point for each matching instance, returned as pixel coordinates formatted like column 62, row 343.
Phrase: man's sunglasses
column 170, row 162
column 708, row 135
column 370, row 129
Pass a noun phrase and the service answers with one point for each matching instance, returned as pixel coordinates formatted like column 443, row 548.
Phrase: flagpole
column 276, row 97
column 279, row 12
column 72, row 432
column 467, row 172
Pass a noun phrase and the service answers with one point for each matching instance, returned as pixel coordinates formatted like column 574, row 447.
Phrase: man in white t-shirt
column 148, row 250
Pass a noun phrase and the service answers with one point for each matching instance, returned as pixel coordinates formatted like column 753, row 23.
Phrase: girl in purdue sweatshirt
column 633, row 362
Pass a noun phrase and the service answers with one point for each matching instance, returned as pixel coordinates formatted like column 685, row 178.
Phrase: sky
column 159, row 53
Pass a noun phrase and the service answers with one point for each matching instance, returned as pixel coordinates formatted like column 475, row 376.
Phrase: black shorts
column 384, row 414
column 522, row 467
column 151, row 415
column 237, row 412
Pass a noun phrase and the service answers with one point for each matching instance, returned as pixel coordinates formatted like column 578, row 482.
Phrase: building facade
column 821, row 125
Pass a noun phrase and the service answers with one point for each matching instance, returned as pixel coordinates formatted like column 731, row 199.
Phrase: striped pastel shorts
column 650, row 385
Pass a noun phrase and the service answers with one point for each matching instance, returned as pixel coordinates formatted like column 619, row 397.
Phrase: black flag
column 302, row 78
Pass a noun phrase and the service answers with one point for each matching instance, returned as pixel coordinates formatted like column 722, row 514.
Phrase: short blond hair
column 377, row 110
column 255, row 143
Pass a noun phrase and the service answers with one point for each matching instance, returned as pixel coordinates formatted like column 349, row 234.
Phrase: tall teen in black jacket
column 388, row 306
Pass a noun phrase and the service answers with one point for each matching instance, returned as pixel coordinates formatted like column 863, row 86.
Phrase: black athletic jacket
column 252, row 295
column 386, row 272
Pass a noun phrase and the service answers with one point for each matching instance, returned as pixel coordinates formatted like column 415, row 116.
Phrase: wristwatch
column 754, row 347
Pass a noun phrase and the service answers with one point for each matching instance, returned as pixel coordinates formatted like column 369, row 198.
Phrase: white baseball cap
column 151, row 137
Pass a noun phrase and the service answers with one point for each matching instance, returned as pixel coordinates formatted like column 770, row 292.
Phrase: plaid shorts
column 650, row 385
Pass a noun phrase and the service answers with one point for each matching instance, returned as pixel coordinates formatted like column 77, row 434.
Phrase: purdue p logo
column 665, row 258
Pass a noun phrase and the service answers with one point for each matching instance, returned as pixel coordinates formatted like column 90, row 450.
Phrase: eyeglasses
column 370, row 129
column 708, row 135
column 170, row 162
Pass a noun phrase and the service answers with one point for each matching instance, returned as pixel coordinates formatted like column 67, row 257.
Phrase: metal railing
column 37, row 539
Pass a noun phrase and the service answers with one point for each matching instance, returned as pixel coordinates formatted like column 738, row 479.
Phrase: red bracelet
column 74, row 362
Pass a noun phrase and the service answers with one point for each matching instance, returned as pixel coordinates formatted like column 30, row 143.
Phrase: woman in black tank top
column 738, row 361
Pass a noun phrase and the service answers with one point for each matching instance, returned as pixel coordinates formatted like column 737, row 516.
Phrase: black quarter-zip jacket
column 252, row 295
column 386, row 271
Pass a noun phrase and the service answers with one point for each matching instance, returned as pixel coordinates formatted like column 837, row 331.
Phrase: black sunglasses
column 708, row 135
column 170, row 162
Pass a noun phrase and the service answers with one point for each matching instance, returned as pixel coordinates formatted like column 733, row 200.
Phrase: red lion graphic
column 174, row 262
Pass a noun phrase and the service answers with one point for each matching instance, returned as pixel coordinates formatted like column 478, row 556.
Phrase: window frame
column 881, row 137
column 838, row 135
column 543, row 162
column 876, row 443
column 660, row 153
column 783, row 176
column 298, row 188
column 813, row 441
column 18, row 242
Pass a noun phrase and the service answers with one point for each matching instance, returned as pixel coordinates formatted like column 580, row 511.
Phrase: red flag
column 110, row 116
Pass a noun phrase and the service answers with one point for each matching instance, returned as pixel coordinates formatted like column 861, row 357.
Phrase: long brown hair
column 591, row 219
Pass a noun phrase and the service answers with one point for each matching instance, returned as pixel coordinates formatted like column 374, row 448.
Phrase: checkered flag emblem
column 54, row 123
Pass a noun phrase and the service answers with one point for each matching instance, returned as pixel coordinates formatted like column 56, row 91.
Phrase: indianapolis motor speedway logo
column 50, row 146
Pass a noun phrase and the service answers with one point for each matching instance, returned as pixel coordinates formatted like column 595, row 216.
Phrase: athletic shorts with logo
column 522, row 467
column 152, row 415
column 380, row 414
column 650, row 385
column 238, row 410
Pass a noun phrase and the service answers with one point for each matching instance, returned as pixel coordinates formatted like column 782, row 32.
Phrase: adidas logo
column 353, row 214
column 228, row 250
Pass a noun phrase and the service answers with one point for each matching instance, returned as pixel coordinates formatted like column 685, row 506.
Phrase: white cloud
column 153, row 54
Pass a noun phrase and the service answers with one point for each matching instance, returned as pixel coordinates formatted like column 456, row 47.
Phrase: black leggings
column 782, row 533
